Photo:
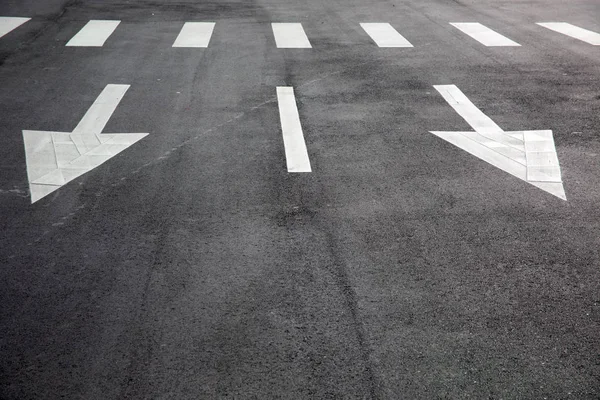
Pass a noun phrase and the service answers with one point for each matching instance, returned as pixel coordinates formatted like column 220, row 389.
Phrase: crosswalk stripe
column 94, row 33
column 573, row 31
column 195, row 34
column 7, row 24
column 384, row 35
column 293, row 139
column 483, row 34
column 290, row 36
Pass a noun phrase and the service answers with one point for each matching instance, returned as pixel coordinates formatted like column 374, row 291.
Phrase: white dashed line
column 384, row 35
column 195, row 34
column 483, row 34
column 290, row 36
column 94, row 33
column 573, row 31
column 293, row 138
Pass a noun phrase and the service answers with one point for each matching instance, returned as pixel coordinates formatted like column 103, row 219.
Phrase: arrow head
column 56, row 158
column 533, row 159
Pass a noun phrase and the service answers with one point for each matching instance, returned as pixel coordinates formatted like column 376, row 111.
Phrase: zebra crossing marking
column 195, row 34
column 384, row 35
column 573, row 31
column 94, row 33
column 483, row 34
column 290, row 35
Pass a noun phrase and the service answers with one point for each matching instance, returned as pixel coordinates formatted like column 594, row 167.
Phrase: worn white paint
column 8, row 24
column 195, row 34
column 384, row 35
column 528, row 155
column 483, row 34
column 290, row 36
column 573, row 31
column 94, row 33
column 293, row 139
column 55, row 158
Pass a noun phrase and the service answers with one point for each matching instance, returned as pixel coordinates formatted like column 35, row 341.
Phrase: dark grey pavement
column 194, row 266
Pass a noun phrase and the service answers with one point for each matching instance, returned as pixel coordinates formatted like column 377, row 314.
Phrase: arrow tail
column 480, row 122
column 96, row 118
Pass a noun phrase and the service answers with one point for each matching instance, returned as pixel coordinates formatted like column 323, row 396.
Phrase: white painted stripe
column 528, row 155
column 485, row 153
column 384, row 35
column 94, row 33
column 483, row 34
column 290, row 36
column 7, row 24
column 513, row 153
column 195, row 34
column 293, row 139
column 542, row 160
column 480, row 122
column 573, row 31
column 96, row 118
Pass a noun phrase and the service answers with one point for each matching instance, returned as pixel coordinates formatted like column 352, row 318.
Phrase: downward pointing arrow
column 528, row 155
column 56, row 158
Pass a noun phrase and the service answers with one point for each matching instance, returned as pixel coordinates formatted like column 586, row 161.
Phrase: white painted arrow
column 528, row 155
column 56, row 158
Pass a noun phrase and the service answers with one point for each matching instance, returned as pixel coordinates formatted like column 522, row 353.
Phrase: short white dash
column 483, row 34
column 290, row 36
column 293, row 139
column 94, row 33
column 195, row 34
column 7, row 24
column 573, row 31
column 384, row 35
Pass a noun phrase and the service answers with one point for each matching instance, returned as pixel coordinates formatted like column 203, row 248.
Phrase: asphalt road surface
column 290, row 227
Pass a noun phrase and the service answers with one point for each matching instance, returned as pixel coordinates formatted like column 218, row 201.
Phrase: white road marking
column 56, row 158
column 528, row 155
column 483, row 34
column 195, row 34
column 97, row 116
column 290, row 36
column 474, row 117
column 94, row 33
column 8, row 24
column 384, row 35
column 293, row 139
column 573, row 31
